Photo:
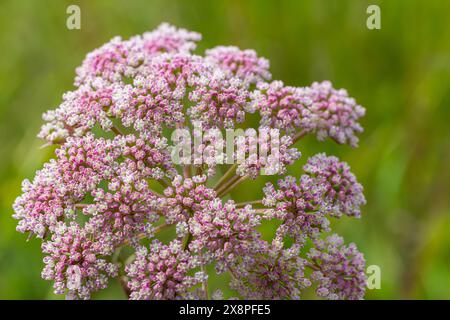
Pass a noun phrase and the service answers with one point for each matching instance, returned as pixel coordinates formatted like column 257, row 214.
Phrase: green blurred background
column 400, row 73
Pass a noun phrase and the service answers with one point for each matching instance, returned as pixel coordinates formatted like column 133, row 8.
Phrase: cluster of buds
column 105, row 205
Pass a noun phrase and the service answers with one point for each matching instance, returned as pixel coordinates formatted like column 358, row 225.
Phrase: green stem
column 229, row 188
column 298, row 136
column 314, row 267
column 243, row 204
column 123, row 283
column 205, row 284
column 120, row 278
column 229, row 182
column 116, row 131
column 143, row 235
column 225, row 176
column 163, row 183
column 187, row 241
column 187, row 171
column 156, row 193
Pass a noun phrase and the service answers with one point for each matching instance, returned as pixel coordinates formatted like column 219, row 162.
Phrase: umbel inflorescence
column 103, row 204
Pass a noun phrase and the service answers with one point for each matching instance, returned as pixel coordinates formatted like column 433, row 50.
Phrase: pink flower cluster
column 74, row 262
column 337, row 269
column 318, row 109
column 113, row 183
column 162, row 272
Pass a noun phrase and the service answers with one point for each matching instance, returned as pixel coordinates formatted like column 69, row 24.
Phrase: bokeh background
column 400, row 73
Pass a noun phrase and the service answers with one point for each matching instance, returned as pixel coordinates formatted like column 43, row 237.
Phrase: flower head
column 74, row 262
column 342, row 193
column 161, row 273
column 244, row 64
column 271, row 272
column 339, row 269
column 115, row 202
column 225, row 230
column 118, row 59
column 318, row 109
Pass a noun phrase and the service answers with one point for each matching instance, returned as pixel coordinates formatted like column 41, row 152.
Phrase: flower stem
column 205, row 284
column 156, row 193
column 159, row 228
column 120, row 278
column 298, row 136
column 116, row 131
column 187, row 240
column 225, row 176
column 187, row 171
column 124, row 285
column 163, row 183
column 231, row 186
column 243, row 204
column 312, row 266
column 227, row 184
column 261, row 211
